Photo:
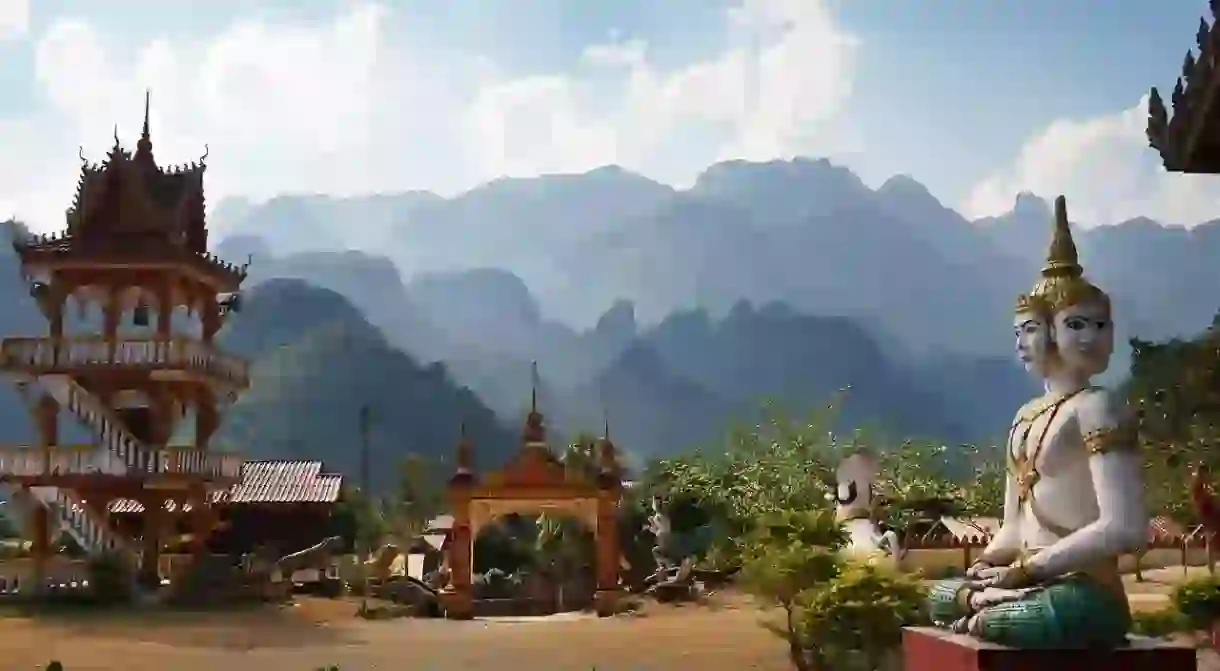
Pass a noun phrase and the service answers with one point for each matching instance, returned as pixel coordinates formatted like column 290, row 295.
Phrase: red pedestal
column 935, row 650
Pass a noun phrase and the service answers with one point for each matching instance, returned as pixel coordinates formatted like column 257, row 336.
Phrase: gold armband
column 1123, row 436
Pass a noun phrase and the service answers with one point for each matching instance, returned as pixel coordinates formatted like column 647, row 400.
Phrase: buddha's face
column 1033, row 342
column 1084, row 337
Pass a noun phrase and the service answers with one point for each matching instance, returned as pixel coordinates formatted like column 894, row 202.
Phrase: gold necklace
column 1024, row 466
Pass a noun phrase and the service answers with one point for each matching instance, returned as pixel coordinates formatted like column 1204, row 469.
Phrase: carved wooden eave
column 1187, row 135
column 534, row 466
column 59, row 251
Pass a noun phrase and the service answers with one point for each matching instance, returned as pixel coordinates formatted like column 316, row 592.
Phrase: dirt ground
column 723, row 635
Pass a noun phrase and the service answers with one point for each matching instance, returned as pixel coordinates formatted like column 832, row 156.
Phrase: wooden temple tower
column 1188, row 139
column 133, row 260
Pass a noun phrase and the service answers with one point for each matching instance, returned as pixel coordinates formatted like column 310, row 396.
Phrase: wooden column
column 112, row 310
column 55, row 310
column 207, row 419
column 154, row 528
column 165, row 310
column 606, row 598
column 40, row 540
column 210, row 316
column 458, row 597
column 46, row 424
column 161, row 407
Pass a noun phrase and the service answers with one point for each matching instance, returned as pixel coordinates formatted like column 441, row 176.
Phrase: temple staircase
column 127, row 453
column 118, row 452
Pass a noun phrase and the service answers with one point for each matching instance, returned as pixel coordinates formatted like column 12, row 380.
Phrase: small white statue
column 855, row 499
column 1073, row 501
column 659, row 525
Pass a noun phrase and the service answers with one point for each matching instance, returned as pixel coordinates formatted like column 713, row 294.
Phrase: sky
column 977, row 100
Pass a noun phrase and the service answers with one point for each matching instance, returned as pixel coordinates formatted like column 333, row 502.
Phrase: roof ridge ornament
column 144, row 146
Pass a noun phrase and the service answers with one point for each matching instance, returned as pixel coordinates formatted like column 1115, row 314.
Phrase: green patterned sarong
column 1075, row 612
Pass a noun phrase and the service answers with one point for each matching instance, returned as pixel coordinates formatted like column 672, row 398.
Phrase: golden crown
column 1062, row 284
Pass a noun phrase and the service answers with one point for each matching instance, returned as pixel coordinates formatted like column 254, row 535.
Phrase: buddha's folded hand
column 990, row 596
column 1009, row 577
column 988, row 574
column 976, row 571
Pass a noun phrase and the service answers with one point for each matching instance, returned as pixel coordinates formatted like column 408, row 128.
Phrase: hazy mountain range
column 670, row 313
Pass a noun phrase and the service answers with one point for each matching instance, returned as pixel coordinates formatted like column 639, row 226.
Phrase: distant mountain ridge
column 805, row 232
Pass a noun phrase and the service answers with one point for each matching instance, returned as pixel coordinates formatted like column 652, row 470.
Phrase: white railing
column 33, row 462
column 92, row 534
column 104, row 422
column 176, row 353
column 71, row 515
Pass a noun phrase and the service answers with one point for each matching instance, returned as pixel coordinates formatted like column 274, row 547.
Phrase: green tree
column 418, row 497
column 1175, row 388
column 788, row 464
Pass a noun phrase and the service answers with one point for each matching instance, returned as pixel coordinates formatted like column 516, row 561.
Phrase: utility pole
column 365, row 541
column 366, row 424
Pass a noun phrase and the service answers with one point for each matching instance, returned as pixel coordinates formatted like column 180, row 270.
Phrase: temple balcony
column 62, row 465
column 163, row 358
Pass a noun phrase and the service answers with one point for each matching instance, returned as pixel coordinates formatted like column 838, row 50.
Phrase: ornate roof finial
column 534, row 432
column 144, row 146
column 609, row 471
column 534, row 386
column 1062, row 259
column 116, row 136
column 464, row 449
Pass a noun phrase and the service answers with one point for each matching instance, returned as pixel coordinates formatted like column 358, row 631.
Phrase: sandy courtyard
column 318, row 632
column 724, row 635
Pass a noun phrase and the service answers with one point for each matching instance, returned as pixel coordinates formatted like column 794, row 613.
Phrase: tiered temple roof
column 1188, row 139
column 128, row 206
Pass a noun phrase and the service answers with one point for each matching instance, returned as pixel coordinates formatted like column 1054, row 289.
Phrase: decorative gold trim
column 1041, row 405
column 1024, row 467
column 1062, row 283
column 1123, row 436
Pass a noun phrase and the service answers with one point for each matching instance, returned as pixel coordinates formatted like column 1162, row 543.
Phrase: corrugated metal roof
column 1164, row 528
column 440, row 523
column 272, row 481
column 974, row 530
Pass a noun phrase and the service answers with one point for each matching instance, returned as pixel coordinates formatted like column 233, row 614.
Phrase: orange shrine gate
column 533, row 482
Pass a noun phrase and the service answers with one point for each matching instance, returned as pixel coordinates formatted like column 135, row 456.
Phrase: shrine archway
column 534, row 482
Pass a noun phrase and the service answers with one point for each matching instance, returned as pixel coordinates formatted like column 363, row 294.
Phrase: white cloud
column 14, row 18
column 344, row 108
column 1106, row 170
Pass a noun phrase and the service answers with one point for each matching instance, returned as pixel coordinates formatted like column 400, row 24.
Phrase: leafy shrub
column 1199, row 601
column 111, row 579
column 839, row 613
column 1160, row 623
column 855, row 620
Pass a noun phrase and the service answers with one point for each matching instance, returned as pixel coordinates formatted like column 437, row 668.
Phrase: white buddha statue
column 855, row 499
column 1073, row 502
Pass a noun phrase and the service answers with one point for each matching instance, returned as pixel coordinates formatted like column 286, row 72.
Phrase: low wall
column 17, row 575
column 941, row 561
